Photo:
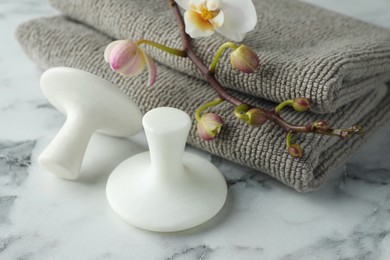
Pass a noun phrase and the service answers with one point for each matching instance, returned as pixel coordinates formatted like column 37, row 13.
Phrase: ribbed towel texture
column 61, row 42
column 304, row 50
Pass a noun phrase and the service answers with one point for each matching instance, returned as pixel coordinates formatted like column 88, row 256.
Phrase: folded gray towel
column 304, row 50
column 60, row 42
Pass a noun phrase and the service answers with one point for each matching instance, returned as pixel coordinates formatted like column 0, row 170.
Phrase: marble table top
column 43, row 217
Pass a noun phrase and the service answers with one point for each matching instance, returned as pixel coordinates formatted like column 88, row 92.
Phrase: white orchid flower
column 231, row 18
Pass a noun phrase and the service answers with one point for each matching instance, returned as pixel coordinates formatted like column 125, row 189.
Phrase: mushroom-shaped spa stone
column 90, row 104
column 166, row 189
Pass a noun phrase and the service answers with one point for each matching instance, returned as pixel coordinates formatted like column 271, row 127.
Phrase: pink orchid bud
column 244, row 59
column 256, row 117
column 209, row 126
column 125, row 57
column 295, row 151
column 301, row 104
column 321, row 125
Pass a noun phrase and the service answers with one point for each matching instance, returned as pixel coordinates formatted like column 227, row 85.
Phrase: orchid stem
column 167, row 49
column 218, row 55
column 205, row 106
column 239, row 110
column 289, row 138
column 282, row 105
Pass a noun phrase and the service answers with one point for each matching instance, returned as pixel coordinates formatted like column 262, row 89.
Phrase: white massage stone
column 166, row 189
column 90, row 104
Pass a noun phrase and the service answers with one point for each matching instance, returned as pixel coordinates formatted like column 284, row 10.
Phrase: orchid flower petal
column 196, row 3
column 152, row 68
column 230, row 34
column 239, row 18
column 212, row 5
column 218, row 20
column 196, row 26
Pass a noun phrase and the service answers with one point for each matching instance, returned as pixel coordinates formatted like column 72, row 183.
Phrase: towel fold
column 58, row 41
column 304, row 50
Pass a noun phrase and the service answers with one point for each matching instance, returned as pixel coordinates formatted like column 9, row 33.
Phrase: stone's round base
column 175, row 203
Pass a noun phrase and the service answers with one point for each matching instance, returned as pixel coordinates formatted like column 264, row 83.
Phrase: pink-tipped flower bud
column 256, row 117
column 320, row 125
column 244, row 59
column 209, row 126
column 295, row 151
column 125, row 57
column 301, row 104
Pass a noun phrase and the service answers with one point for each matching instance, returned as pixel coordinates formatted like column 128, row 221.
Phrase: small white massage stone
column 90, row 104
column 166, row 189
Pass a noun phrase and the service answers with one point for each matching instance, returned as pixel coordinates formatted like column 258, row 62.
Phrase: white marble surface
column 42, row 217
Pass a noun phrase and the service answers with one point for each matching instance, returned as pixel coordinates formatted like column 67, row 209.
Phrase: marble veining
column 43, row 217
column 6, row 242
column 198, row 252
column 15, row 160
column 362, row 243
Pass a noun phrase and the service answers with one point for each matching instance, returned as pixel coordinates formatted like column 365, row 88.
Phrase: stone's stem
column 289, row 138
column 167, row 49
column 65, row 153
column 282, row 105
column 166, row 141
column 205, row 106
column 218, row 55
column 239, row 112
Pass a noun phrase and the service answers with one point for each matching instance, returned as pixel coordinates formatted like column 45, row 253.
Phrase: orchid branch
column 126, row 57
column 271, row 115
